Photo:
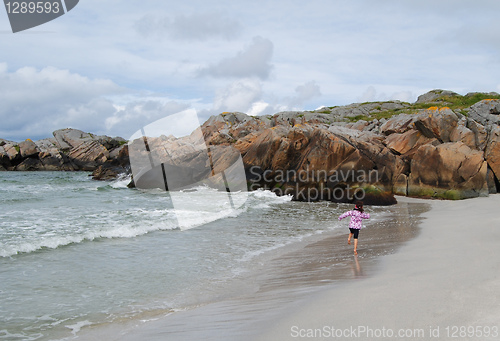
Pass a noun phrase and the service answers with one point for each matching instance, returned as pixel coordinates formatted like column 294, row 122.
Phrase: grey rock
column 480, row 133
column 486, row 111
column 71, row 138
column 360, row 125
column 436, row 123
column 366, row 109
column 89, row 155
column 397, row 124
column 432, row 95
column 12, row 151
column 29, row 164
column 463, row 134
column 28, row 148
column 4, row 142
column 49, row 146
column 492, row 94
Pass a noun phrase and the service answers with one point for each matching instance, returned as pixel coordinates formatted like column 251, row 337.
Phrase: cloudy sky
column 111, row 67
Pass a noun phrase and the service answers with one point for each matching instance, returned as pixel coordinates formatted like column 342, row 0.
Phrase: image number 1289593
column 24, row 15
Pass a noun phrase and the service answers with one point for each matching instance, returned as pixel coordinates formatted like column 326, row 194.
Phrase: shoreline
column 440, row 286
column 280, row 285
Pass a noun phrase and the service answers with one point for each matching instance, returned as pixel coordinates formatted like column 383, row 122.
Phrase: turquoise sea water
column 76, row 252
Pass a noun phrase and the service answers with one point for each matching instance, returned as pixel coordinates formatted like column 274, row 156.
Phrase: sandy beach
column 442, row 285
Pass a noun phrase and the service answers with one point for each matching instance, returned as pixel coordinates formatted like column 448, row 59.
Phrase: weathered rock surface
column 321, row 155
column 28, row 149
column 433, row 95
column 486, row 112
column 448, row 170
column 436, row 123
column 68, row 150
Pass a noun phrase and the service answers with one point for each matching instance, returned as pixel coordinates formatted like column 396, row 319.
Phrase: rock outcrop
column 371, row 149
column 434, row 152
column 68, row 150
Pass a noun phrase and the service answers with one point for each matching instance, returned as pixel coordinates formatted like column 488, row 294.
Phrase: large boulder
column 86, row 151
column 70, row 138
column 28, row 149
column 12, row 152
column 30, row 164
column 89, row 155
column 312, row 163
column 437, row 123
column 463, row 134
column 449, row 170
column 232, row 126
column 52, row 158
column 486, row 111
column 117, row 165
column 480, row 133
column 398, row 124
column 408, row 142
column 433, row 95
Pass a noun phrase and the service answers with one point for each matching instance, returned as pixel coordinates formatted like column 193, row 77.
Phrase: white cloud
column 258, row 108
column 37, row 102
column 238, row 96
column 248, row 96
column 254, row 61
column 195, row 27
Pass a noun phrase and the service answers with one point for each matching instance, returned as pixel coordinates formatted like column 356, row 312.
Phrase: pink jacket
column 356, row 218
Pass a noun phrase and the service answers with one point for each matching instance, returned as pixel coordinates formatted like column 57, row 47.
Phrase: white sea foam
column 75, row 328
column 46, row 232
column 261, row 193
column 121, row 182
column 64, row 233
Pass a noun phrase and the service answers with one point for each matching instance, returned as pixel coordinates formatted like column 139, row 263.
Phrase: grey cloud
column 303, row 93
column 199, row 27
column 254, row 61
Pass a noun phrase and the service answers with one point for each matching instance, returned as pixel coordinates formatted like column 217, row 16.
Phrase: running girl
column 357, row 215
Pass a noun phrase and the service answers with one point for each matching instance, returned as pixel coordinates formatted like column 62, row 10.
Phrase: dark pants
column 355, row 232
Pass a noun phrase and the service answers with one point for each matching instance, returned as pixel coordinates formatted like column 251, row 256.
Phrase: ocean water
column 76, row 252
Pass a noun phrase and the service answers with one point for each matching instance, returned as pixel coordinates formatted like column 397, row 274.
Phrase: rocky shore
column 68, row 150
column 442, row 146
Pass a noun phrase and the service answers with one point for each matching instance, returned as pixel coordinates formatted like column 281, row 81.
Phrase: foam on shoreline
column 279, row 286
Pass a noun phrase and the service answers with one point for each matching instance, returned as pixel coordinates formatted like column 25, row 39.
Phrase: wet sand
column 282, row 287
column 443, row 285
